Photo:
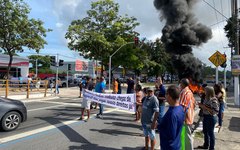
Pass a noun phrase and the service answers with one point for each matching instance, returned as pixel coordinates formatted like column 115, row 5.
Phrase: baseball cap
column 150, row 88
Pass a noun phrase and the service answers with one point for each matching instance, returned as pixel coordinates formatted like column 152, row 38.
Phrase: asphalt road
column 53, row 125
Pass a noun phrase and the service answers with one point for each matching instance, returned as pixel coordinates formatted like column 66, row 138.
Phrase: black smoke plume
column 181, row 32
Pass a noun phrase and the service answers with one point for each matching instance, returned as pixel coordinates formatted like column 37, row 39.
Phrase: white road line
column 43, row 129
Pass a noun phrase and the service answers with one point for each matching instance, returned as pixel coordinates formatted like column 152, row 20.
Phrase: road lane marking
column 21, row 136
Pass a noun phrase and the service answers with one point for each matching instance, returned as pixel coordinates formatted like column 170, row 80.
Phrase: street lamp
column 110, row 61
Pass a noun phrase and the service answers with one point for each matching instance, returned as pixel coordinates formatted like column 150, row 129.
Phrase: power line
column 215, row 9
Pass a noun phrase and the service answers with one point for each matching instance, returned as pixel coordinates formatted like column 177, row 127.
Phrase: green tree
column 102, row 32
column 158, row 58
column 43, row 60
column 230, row 30
column 17, row 31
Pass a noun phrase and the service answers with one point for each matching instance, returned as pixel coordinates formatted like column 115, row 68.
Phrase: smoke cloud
column 181, row 33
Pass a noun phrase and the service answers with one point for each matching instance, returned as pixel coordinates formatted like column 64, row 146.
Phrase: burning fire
column 195, row 88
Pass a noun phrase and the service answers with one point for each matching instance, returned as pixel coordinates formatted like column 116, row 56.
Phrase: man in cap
column 150, row 110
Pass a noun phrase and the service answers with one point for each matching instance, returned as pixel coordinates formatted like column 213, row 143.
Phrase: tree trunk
column 9, row 66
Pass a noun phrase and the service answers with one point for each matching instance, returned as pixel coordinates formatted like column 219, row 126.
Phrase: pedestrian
column 20, row 78
column 30, row 82
column 115, row 86
column 139, row 97
column 171, row 125
column 130, row 86
column 221, row 96
column 138, row 84
column 38, row 83
column 188, row 102
column 210, row 108
column 150, row 109
column 51, row 84
column 100, row 88
column 119, row 86
column 86, row 103
column 160, row 92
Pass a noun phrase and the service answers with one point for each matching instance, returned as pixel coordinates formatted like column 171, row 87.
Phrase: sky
column 58, row 14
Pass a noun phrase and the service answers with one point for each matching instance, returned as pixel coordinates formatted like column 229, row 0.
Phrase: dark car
column 12, row 113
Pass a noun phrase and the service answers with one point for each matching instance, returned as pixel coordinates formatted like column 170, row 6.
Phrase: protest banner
column 121, row 101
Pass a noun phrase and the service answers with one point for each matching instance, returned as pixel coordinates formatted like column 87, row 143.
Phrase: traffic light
column 224, row 65
column 136, row 40
column 69, row 67
column 52, row 60
column 61, row 62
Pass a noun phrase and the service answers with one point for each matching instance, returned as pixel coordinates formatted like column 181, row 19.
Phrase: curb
column 39, row 99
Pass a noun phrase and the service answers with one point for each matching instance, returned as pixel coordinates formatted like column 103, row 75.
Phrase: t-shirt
column 160, row 94
column 100, row 87
column 130, row 88
column 149, row 107
column 170, row 128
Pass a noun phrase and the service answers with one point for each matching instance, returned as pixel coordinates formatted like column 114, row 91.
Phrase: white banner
column 121, row 101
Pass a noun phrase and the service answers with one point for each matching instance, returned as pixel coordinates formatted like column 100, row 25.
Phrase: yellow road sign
column 217, row 58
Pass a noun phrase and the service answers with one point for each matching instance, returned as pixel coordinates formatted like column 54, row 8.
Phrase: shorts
column 86, row 103
column 148, row 132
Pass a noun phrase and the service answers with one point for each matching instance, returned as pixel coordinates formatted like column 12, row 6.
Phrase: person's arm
column 153, row 126
column 156, row 113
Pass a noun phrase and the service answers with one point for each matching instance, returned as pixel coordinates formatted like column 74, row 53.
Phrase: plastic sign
column 236, row 64
column 217, row 59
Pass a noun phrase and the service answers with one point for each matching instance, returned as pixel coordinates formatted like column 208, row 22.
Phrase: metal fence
column 15, row 87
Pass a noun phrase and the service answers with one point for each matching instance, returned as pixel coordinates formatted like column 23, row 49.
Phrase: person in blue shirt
column 100, row 88
column 172, row 122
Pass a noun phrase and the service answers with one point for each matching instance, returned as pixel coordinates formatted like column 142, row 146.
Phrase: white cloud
column 59, row 25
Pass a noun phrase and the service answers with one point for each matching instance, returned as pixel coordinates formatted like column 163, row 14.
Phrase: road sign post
column 217, row 59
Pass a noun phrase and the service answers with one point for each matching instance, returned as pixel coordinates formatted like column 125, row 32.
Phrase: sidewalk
column 228, row 137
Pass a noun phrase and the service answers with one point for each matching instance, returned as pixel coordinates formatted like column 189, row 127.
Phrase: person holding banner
column 150, row 110
column 171, row 125
column 86, row 103
column 100, row 88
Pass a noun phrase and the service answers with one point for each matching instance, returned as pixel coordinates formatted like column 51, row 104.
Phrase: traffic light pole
column 110, row 64
column 67, row 78
column 56, row 80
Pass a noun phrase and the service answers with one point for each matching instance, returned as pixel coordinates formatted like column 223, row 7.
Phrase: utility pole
column 36, row 67
column 236, row 77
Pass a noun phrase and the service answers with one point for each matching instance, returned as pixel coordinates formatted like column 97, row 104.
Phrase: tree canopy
column 18, row 31
column 102, row 32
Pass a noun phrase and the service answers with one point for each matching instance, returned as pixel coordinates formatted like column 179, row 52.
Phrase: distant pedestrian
column 210, row 108
column 100, row 88
column 20, row 78
column 115, row 86
column 188, row 102
column 86, row 103
column 51, row 84
column 171, row 125
column 119, row 86
column 58, row 83
column 130, row 86
column 30, row 82
column 138, row 86
column 150, row 109
column 38, row 83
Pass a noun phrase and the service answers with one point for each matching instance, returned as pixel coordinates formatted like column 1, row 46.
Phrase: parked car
column 12, row 114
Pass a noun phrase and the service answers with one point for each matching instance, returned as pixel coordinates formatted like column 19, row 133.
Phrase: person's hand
column 154, row 125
